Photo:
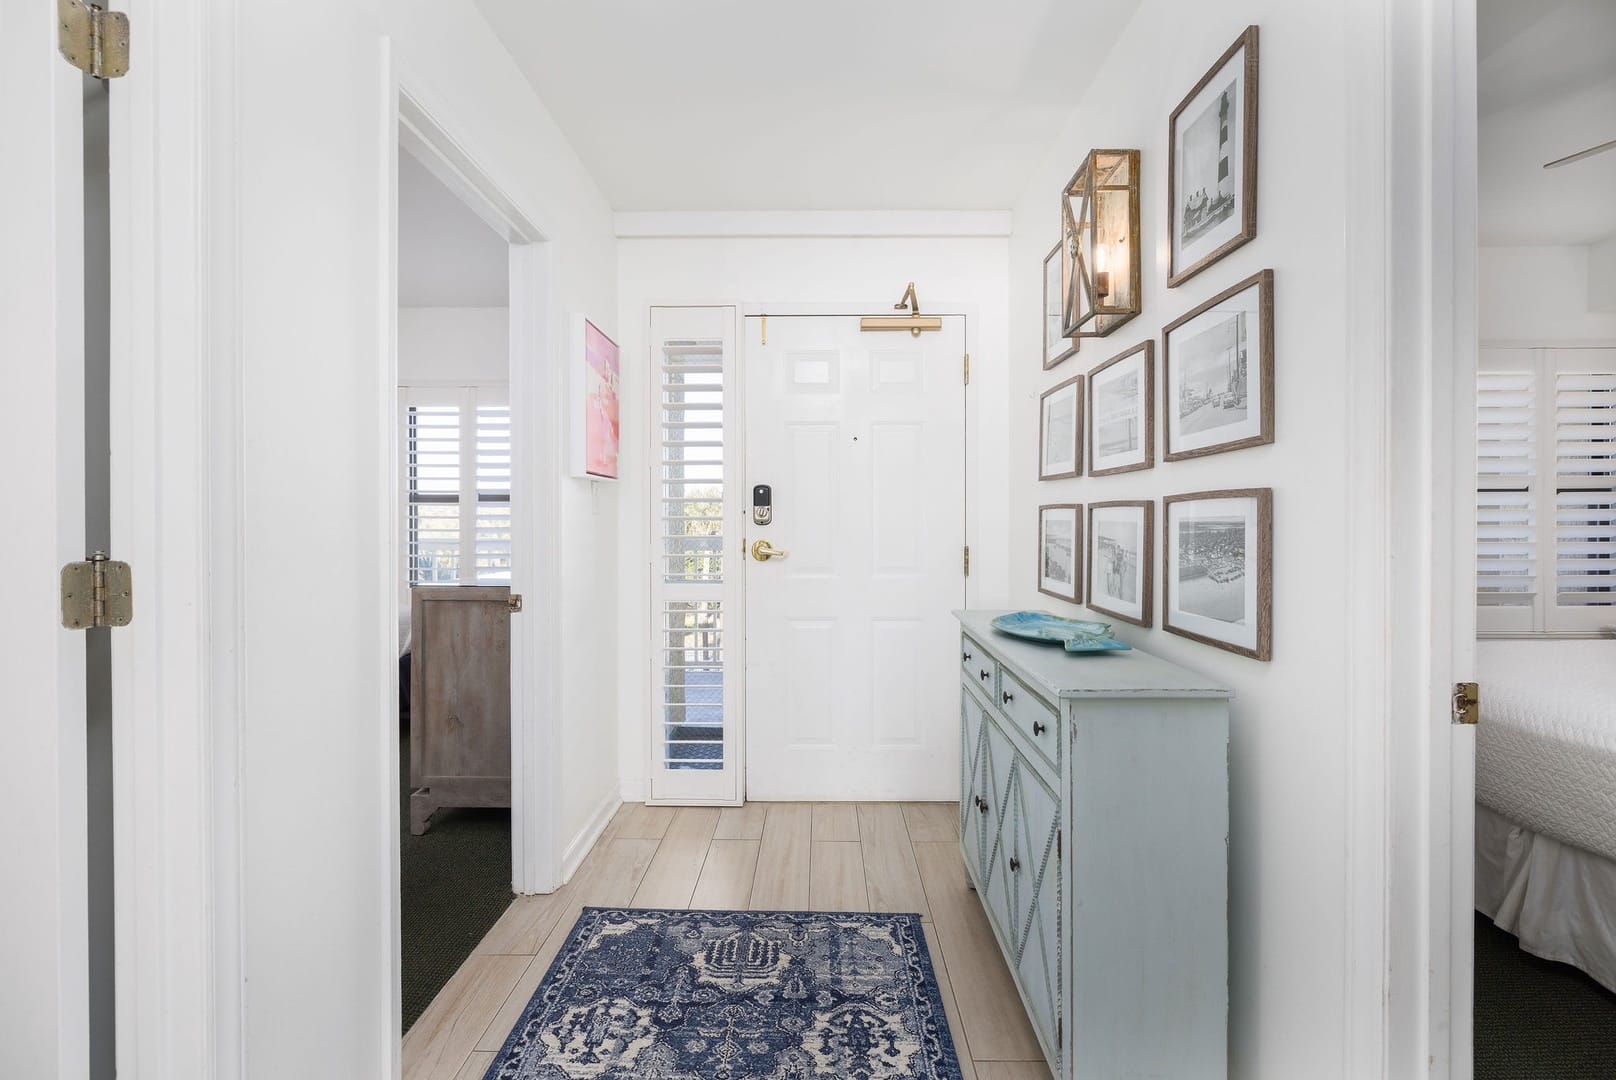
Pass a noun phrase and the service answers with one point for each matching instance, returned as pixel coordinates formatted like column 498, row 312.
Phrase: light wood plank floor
column 825, row 856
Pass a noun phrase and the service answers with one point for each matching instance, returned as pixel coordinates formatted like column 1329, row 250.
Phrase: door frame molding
column 1410, row 153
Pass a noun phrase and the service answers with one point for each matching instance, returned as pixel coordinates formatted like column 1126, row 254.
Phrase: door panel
column 849, row 636
column 44, row 951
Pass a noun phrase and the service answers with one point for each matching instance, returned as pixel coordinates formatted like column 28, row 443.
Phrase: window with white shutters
column 695, row 556
column 1546, row 490
column 1506, row 471
column 1585, row 468
column 457, row 485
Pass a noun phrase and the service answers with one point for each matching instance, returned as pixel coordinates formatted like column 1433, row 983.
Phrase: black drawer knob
column 1007, row 696
column 965, row 657
column 981, row 804
column 1015, row 864
column 986, row 675
column 1038, row 727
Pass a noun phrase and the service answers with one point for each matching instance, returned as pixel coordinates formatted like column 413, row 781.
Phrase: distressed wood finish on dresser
column 1094, row 824
column 460, row 699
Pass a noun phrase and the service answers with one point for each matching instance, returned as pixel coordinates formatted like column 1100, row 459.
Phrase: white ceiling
column 447, row 255
column 1547, row 88
column 837, row 104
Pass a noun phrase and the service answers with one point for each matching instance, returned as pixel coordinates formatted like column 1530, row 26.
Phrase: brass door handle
column 763, row 551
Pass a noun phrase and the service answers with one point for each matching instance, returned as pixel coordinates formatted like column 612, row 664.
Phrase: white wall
column 1289, row 821
column 308, row 220
column 466, row 346
column 1544, row 295
column 866, row 272
column 1602, row 276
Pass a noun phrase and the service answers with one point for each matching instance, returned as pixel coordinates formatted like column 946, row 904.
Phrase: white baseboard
column 587, row 837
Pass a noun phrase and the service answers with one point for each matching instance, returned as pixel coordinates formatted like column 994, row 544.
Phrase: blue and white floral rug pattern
column 638, row 994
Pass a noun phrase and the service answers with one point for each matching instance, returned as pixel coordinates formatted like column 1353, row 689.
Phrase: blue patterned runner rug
column 638, row 994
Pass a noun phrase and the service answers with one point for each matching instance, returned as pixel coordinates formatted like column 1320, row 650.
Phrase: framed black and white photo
column 1212, row 163
column 1122, row 412
column 1121, row 560
column 1060, row 430
column 1217, row 569
column 1060, row 551
column 1218, row 372
column 1057, row 346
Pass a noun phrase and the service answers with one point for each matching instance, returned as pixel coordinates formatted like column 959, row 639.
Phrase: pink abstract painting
column 600, row 403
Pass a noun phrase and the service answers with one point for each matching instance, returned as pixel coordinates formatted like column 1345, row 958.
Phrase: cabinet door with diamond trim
column 1000, row 883
column 1037, row 900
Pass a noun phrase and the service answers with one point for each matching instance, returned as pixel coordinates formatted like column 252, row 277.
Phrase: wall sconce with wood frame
column 1100, row 244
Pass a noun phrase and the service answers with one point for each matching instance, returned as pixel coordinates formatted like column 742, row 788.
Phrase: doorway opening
column 455, row 466
column 1545, row 596
column 475, row 451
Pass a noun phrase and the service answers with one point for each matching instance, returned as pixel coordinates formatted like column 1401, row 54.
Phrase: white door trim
column 1411, row 299
column 177, row 519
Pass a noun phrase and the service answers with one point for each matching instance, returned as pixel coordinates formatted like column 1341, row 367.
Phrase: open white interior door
column 44, row 994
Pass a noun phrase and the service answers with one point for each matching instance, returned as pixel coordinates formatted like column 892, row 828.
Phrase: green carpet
column 454, row 882
column 1536, row 1018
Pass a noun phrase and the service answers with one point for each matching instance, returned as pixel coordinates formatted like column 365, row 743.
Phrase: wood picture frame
column 1060, row 430
column 1207, row 381
column 1057, row 346
column 1203, row 226
column 1059, row 563
column 1128, row 426
column 1232, row 607
column 1120, row 533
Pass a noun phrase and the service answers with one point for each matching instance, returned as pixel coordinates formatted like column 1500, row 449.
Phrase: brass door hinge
column 967, row 369
column 514, row 602
column 1466, row 703
column 96, row 592
column 93, row 39
column 967, row 560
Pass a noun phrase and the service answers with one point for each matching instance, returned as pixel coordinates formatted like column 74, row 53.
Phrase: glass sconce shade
column 1100, row 244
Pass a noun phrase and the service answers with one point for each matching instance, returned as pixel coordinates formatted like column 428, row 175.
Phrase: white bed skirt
column 1559, row 900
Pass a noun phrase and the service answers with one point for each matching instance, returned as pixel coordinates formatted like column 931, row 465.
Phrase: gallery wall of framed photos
column 1195, row 370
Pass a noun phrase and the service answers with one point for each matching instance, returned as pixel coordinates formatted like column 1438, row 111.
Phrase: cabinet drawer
column 979, row 668
column 1031, row 716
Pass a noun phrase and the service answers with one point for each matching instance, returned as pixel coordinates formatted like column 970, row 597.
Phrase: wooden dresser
column 1094, row 824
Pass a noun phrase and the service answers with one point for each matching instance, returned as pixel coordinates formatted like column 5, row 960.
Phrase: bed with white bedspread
column 1546, row 798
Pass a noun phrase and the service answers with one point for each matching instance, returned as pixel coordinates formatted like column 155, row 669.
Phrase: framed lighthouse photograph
column 1212, row 163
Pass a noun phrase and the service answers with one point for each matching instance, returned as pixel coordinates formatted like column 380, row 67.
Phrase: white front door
column 851, row 681
column 44, row 918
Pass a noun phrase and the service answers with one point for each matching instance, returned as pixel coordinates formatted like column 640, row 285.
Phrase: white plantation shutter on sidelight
column 695, row 556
